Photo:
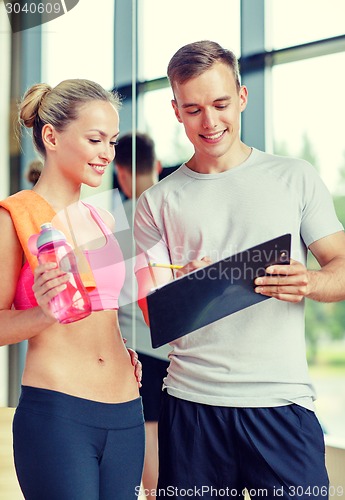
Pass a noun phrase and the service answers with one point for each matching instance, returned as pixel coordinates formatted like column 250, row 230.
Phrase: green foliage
column 308, row 153
column 323, row 321
column 339, row 203
column 342, row 173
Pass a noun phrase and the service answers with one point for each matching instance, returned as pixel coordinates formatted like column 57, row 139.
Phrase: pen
column 169, row 266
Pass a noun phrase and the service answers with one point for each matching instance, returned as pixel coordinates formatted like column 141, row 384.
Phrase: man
column 238, row 402
column 154, row 361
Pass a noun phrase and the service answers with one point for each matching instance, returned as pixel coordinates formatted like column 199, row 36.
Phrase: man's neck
column 211, row 165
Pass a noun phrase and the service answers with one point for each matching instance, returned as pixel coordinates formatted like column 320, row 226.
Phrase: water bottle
column 73, row 303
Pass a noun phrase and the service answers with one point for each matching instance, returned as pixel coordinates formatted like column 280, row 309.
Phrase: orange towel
column 29, row 211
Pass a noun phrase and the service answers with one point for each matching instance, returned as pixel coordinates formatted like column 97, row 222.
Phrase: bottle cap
column 48, row 234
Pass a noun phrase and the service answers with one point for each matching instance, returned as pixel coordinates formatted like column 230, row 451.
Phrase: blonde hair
column 59, row 106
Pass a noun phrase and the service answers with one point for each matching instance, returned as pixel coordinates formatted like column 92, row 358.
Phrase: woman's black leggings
column 68, row 448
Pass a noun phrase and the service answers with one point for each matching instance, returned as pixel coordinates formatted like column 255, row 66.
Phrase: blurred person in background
column 154, row 361
column 33, row 171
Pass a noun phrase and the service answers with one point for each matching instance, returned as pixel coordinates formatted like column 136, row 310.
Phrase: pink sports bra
column 107, row 266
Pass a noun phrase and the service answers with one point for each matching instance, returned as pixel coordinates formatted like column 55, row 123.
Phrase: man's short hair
column 195, row 58
column 145, row 153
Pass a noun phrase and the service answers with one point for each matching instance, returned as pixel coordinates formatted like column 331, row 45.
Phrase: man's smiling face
column 209, row 106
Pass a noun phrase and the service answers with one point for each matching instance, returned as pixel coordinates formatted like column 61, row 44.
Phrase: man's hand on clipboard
column 156, row 275
column 284, row 282
column 294, row 281
column 207, row 292
column 193, row 266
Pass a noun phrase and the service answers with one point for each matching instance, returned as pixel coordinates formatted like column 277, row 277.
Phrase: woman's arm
column 16, row 326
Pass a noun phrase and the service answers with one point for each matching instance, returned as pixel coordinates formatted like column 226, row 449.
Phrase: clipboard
column 212, row 292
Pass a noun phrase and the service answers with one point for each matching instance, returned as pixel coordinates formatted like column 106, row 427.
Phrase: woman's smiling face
column 86, row 146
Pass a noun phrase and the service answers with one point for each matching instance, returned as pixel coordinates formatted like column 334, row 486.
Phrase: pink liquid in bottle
column 73, row 303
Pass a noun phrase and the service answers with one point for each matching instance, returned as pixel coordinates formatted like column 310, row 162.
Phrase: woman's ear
column 49, row 137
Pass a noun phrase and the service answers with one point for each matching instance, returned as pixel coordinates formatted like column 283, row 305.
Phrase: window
column 308, row 107
column 295, row 22
column 5, row 54
column 158, row 119
column 80, row 44
column 164, row 28
column 162, row 31
column 5, row 51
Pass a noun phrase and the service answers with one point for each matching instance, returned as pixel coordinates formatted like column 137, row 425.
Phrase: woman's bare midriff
column 86, row 359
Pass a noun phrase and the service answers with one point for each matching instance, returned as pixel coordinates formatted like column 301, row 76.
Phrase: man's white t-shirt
column 255, row 357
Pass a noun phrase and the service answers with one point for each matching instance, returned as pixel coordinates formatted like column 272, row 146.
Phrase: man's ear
column 124, row 178
column 120, row 173
column 243, row 94
column 49, row 137
column 177, row 112
column 158, row 166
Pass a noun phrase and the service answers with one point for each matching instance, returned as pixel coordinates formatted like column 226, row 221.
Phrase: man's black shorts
column 154, row 370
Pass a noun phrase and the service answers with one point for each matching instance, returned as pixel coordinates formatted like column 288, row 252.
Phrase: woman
column 78, row 429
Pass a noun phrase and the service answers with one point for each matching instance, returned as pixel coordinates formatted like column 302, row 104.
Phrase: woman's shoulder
column 5, row 218
column 9, row 244
column 106, row 217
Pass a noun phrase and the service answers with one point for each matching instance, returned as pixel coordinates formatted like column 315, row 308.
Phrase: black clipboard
column 213, row 292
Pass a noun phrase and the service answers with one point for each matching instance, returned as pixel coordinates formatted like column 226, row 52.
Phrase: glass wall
column 80, row 44
column 308, row 104
column 161, row 32
column 5, row 54
column 297, row 22
column 303, row 113
column 163, row 29
column 303, row 89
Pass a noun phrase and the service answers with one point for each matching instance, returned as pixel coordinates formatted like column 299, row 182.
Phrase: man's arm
column 294, row 282
column 149, row 278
